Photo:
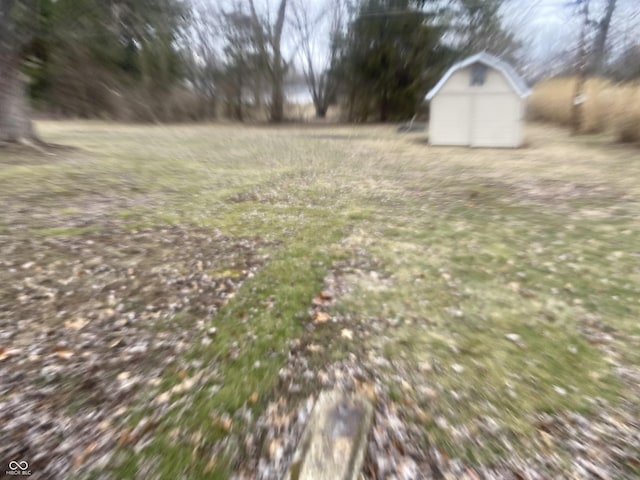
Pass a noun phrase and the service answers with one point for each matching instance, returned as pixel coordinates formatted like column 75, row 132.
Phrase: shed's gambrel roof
column 516, row 81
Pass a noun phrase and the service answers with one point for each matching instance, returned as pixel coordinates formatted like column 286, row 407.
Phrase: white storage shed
column 479, row 102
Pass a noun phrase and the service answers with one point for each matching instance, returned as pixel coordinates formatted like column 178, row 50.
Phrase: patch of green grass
column 465, row 278
column 267, row 312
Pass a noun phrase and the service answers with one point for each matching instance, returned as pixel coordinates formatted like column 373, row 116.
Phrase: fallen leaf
column 326, row 295
column 368, row 389
column 154, row 382
column 76, row 324
column 274, row 447
column 548, row 439
column 323, row 378
column 186, row 384
column 442, row 422
column 225, row 422
column 322, row 298
column 162, row 398
column 515, row 338
column 425, row 366
column 406, row 386
column 456, row 367
column 125, row 438
column 423, row 416
column 4, row 353
column 63, row 353
column 210, row 464
column 106, row 314
column 321, row 317
column 196, row 437
column 80, row 459
column 472, row 475
column 559, row 390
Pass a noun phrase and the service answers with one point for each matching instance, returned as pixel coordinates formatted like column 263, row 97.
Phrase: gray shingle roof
column 516, row 81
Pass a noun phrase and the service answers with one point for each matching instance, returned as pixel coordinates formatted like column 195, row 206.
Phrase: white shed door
column 451, row 117
column 495, row 120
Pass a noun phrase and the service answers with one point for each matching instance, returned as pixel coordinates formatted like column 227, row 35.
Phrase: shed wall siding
column 451, row 115
column 489, row 115
column 496, row 120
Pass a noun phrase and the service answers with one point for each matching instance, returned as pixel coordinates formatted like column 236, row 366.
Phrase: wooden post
column 334, row 443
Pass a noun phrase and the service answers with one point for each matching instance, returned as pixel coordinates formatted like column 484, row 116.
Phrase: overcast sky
column 548, row 26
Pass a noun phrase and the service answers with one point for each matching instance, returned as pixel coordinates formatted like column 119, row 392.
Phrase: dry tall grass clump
column 628, row 125
column 609, row 106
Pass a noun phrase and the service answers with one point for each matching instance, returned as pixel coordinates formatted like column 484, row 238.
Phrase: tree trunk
column 278, row 67
column 277, row 103
column 277, row 92
column 577, row 108
column 238, row 107
column 321, row 111
column 384, row 107
column 15, row 122
column 321, row 100
column 601, row 37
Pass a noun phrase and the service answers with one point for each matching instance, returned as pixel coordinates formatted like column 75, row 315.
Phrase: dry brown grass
column 609, row 106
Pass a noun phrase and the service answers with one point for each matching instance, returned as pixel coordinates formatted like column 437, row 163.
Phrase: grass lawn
column 504, row 283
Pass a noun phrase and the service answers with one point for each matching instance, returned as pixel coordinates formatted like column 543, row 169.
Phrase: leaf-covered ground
column 173, row 298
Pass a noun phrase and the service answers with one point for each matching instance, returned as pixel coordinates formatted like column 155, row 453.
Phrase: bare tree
column 581, row 71
column 268, row 39
column 595, row 54
column 601, row 36
column 320, row 69
column 245, row 65
column 203, row 64
column 15, row 121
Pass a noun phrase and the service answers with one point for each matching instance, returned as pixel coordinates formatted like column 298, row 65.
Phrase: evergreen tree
column 87, row 58
column 100, row 52
column 393, row 56
column 476, row 25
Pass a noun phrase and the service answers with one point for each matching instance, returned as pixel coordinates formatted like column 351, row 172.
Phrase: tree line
column 175, row 60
